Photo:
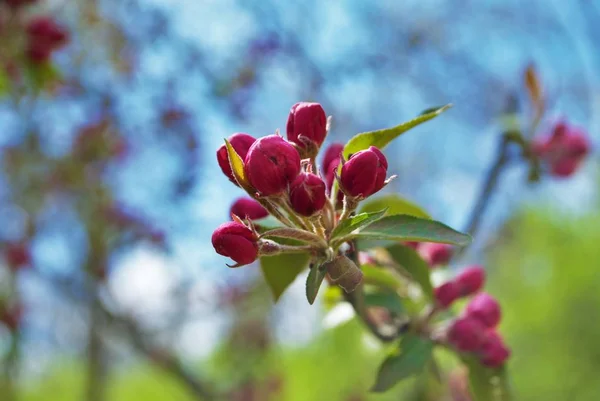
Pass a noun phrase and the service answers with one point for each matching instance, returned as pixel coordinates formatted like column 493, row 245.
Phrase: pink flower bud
column 564, row 150
column 271, row 165
column 307, row 194
column 44, row 36
column 435, row 254
column 447, row 293
column 470, row 280
column 484, row 308
column 240, row 142
column 307, row 120
column 17, row 256
column 236, row 241
column 364, row 173
column 332, row 153
column 248, row 208
column 466, row 334
column 493, row 351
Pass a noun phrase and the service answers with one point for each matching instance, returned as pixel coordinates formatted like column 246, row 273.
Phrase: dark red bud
column 470, row 280
column 236, row 241
column 248, row 208
column 307, row 194
column 332, row 153
column 364, row 173
column 493, row 351
column 271, row 165
column 14, row 4
column 240, row 142
column 46, row 33
column 564, row 150
column 308, row 120
column 486, row 309
column 17, row 256
column 435, row 254
column 466, row 334
column 447, row 293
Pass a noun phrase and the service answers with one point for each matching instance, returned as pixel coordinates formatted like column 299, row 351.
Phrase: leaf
column 414, row 354
column 395, row 205
column 402, row 227
column 378, row 276
column 41, row 76
column 534, row 89
column 385, row 299
column 355, row 222
column 4, row 82
column 314, row 280
column 487, row 384
column 237, row 167
column 412, row 263
column 281, row 270
column 381, row 138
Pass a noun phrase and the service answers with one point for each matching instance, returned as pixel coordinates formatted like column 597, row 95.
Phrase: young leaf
column 4, row 82
column 414, row 354
column 402, row 227
column 356, row 222
column 281, row 270
column 395, row 205
column 314, row 280
column 487, row 384
column 382, row 137
column 381, row 277
column 237, row 167
column 412, row 263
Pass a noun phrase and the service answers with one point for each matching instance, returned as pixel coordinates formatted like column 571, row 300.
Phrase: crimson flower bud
column 466, row 334
column 271, row 165
column 307, row 194
column 332, row 153
column 44, row 36
column 364, row 173
column 240, row 142
column 435, row 254
column 485, row 308
column 470, row 280
column 248, row 208
column 309, row 121
column 17, row 256
column 564, row 150
column 236, row 241
column 447, row 293
column 493, row 351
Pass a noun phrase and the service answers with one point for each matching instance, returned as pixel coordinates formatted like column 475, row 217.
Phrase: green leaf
column 355, row 222
column 237, row 167
column 412, row 263
column 41, row 76
column 402, row 227
column 487, row 384
column 385, row 299
column 411, row 359
column 4, row 82
column 281, row 270
column 381, row 277
column 382, row 137
column 314, row 280
column 395, row 205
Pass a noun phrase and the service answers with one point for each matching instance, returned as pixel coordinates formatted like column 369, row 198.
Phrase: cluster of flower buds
column 474, row 331
column 44, row 36
column 564, row 150
column 17, row 256
column 282, row 179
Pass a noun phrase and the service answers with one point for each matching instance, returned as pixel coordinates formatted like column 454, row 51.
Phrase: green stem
column 272, row 209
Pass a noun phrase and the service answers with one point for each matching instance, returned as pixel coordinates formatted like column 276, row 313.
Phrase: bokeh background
column 164, row 81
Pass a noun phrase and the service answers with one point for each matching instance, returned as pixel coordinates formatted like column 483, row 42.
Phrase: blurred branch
column 96, row 358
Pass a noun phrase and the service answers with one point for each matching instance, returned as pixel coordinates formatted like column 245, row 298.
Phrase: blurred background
column 110, row 190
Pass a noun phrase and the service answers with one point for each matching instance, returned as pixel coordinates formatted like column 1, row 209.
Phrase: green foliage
column 413, row 264
column 486, row 384
column 281, row 270
column 42, row 76
column 410, row 359
column 355, row 222
column 314, row 280
column 395, row 205
column 4, row 82
column 381, row 138
column 380, row 277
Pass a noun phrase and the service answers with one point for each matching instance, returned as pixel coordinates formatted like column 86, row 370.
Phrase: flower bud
column 364, row 173
column 435, row 254
column 17, row 256
column 240, row 142
column 564, row 150
column 307, row 194
column 307, row 123
column 484, row 308
column 332, row 153
column 470, row 280
column 248, row 208
column 44, row 36
column 466, row 334
column 446, row 294
column 493, row 351
column 236, row 241
column 271, row 165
